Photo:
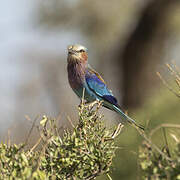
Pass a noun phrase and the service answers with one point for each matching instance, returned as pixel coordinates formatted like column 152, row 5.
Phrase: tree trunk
column 144, row 51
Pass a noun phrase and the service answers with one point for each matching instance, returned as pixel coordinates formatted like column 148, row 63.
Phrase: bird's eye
column 81, row 50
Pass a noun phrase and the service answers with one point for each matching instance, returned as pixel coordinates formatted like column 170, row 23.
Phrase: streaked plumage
column 82, row 76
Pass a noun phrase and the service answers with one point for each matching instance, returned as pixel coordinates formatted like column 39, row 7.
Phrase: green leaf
column 44, row 120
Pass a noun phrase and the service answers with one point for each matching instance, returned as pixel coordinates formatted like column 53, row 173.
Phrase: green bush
column 84, row 153
column 15, row 163
column 162, row 164
column 157, row 166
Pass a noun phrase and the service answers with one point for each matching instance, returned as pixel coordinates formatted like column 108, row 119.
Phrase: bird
column 88, row 83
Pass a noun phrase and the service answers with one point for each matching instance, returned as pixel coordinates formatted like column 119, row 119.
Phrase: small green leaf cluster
column 156, row 166
column 85, row 152
column 16, row 164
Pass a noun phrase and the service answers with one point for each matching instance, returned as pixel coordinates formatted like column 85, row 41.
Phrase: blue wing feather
column 99, row 87
column 111, row 99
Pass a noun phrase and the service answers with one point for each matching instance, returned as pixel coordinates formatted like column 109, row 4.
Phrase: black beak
column 70, row 51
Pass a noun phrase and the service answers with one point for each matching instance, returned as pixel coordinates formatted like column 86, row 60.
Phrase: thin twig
column 117, row 131
column 32, row 149
column 69, row 119
column 9, row 138
column 175, row 138
column 177, row 68
column 172, row 71
column 109, row 177
column 163, row 125
column 82, row 102
column 166, row 142
column 176, row 73
column 152, row 145
column 166, row 84
column 95, row 174
column 32, row 127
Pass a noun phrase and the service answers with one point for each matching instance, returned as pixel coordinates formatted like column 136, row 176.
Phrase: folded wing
column 96, row 83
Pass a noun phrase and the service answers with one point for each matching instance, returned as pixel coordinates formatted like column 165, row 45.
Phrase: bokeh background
column 128, row 42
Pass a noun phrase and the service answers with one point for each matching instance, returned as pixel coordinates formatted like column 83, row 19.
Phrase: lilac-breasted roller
column 83, row 78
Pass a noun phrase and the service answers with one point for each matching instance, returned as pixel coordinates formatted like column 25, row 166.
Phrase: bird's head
column 77, row 53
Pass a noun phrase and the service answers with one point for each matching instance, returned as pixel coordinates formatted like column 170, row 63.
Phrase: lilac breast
column 76, row 75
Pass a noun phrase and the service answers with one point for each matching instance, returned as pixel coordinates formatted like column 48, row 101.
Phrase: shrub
column 159, row 164
column 83, row 153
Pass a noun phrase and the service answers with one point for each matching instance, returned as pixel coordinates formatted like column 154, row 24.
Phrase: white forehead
column 77, row 47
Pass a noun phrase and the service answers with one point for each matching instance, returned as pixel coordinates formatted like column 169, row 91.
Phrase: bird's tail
column 126, row 117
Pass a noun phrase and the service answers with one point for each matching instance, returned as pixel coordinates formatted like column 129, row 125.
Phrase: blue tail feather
column 126, row 117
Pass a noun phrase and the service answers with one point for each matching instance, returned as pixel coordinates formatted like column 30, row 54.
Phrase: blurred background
column 128, row 42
